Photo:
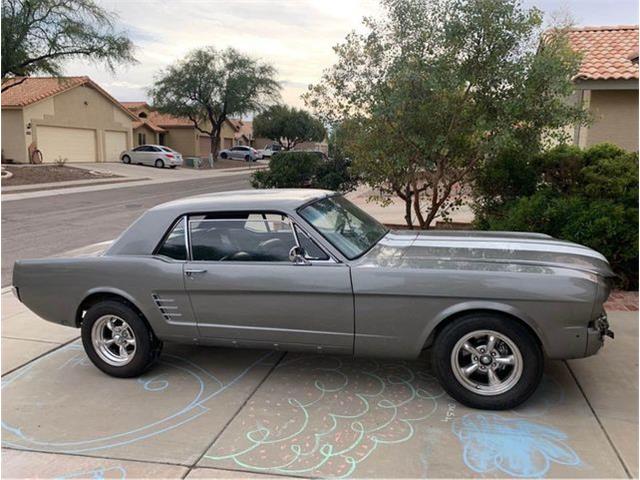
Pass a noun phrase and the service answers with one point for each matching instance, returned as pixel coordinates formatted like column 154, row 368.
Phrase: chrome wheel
column 113, row 340
column 486, row 362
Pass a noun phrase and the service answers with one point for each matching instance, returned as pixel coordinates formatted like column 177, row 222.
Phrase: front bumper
column 596, row 331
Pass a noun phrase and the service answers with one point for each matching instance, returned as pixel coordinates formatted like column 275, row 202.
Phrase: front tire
column 126, row 159
column 223, row 156
column 117, row 340
column 488, row 361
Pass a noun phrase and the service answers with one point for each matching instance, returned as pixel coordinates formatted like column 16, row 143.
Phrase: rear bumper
column 596, row 331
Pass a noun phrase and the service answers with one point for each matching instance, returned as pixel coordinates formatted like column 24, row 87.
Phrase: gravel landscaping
column 34, row 174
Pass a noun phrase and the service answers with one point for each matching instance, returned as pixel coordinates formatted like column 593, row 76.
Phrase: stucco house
column 179, row 133
column 607, row 84
column 71, row 118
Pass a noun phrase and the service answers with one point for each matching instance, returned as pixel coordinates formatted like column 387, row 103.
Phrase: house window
column 162, row 139
column 142, row 139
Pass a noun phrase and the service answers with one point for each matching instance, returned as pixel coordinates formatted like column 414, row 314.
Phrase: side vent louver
column 166, row 307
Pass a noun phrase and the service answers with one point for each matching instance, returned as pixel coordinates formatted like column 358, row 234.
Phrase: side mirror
column 296, row 255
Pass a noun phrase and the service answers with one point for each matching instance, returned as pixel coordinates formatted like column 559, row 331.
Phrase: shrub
column 585, row 196
column 304, row 170
column 60, row 161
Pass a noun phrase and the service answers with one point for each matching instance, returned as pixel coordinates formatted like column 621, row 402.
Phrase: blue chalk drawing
column 511, row 446
column 153, row 384
column 208, row 387
column 101, row 473
column 341, row 414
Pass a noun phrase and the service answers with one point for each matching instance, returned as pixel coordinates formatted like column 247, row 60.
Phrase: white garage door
column 114, row 144
column 74, row 144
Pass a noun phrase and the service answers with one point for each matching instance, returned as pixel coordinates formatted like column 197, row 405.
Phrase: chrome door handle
column 193, row 272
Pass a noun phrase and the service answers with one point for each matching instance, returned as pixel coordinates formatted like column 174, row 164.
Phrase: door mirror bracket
column 296, row 256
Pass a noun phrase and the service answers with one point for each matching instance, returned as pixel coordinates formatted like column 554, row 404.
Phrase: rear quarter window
column 174, row 245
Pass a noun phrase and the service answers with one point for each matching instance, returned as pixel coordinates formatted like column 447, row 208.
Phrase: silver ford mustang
column 307, row 270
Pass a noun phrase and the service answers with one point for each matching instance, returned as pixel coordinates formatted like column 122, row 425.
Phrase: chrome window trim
column 331, row 261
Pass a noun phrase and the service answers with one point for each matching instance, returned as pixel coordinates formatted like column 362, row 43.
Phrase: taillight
column 169, row 155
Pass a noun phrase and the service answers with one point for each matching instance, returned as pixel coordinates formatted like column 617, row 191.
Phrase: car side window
column 175, row 245
column 139, row 149
column 311, row 249
column 242, row 238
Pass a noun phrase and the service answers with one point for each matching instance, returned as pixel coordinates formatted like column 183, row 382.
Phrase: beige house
column 70, row 118
column 607, row 84
column 179, row 133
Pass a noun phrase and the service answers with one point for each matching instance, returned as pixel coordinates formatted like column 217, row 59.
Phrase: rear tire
column 126, row 159
column 159, row 163
column 506, row 373
column 247, row 158
column 117, row 340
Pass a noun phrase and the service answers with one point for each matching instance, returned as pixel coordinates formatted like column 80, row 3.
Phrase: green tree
column 585, row 196
column 288, row 126
column 433, row 90
column 208, row 86
column 39, row 35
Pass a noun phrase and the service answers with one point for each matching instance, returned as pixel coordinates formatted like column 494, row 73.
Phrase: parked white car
column 157, row 155
column 240, row 152
column 269, row 150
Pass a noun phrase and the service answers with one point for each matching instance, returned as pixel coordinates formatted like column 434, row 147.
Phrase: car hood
column 429, row 249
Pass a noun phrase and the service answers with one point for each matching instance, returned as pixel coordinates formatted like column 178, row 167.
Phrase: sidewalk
column 230, row 413
column 133, row 175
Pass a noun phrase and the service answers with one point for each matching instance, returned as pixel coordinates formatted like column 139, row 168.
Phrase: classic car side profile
column 304, row 269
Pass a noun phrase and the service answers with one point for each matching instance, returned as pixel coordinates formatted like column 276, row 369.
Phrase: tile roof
column 168, row 120
column 134, row 104
column 608, row 52
column 34, row 89
column 151, row 125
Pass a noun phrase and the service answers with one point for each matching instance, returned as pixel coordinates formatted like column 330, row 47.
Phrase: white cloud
column 296, row 36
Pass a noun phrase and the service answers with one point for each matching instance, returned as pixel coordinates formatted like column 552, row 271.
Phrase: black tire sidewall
column 145, row 340
column 223, row 156
column 126, row 159
column 532, row 357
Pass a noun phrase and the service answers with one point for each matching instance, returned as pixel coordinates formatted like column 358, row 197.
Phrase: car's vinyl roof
column 277, row 199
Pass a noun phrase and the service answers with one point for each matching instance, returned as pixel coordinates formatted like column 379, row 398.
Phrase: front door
column 246, row 292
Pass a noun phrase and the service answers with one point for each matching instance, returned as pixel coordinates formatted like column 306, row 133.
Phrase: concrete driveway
column 218, row 413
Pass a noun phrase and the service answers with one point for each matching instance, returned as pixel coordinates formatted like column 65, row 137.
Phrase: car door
column 144, row 154
column 245, row 291
column 137, row 154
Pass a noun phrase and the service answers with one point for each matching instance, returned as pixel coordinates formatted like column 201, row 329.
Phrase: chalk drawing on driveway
column 196, row 388
column 324, row 416
column 100, row 473
column 494, row 444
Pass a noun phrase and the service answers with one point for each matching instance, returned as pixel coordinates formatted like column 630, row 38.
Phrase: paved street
column 40, row 227
column 220, row 413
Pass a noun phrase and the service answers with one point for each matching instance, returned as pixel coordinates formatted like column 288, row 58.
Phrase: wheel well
column 95, row 298
column 453, row 317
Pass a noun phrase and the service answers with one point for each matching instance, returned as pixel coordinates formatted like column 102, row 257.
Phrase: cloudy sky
column 296, row 36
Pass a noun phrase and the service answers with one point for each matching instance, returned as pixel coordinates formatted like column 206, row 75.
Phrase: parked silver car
column 157, row 155
column 241, row 152
column 269, row 150
column 307, row 270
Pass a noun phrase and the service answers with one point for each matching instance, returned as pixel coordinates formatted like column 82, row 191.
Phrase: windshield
column 344, row 225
